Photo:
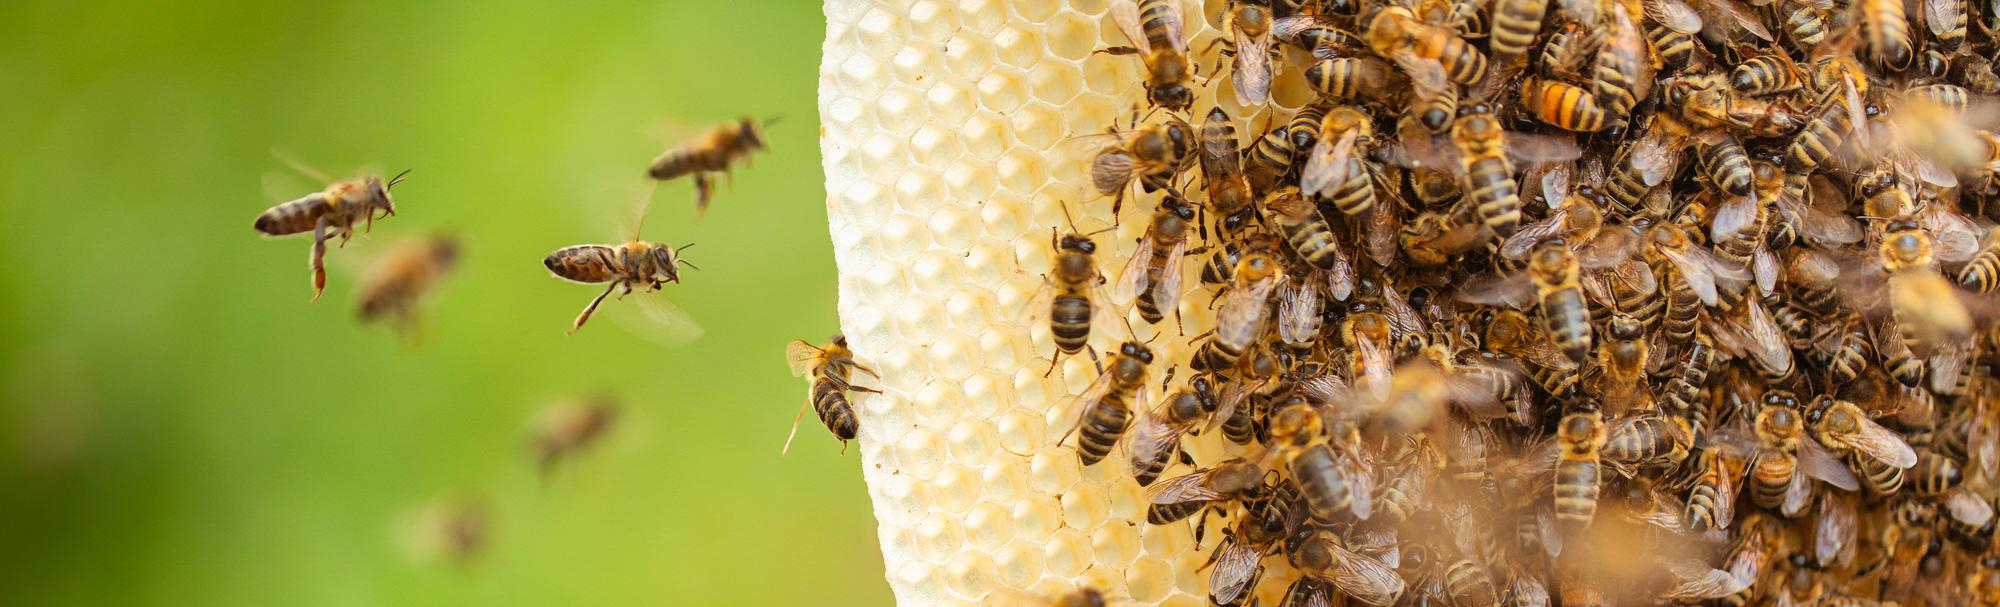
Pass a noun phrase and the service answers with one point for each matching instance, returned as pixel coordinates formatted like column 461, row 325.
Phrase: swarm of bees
column 1584, row 303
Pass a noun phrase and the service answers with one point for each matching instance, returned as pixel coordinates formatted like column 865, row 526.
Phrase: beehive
column 944, row 124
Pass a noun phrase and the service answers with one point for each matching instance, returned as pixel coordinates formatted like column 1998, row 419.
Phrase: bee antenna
column 774, row 120
column 398, row 178
column 684, row 247
column 1066, row 215
column 686, row 263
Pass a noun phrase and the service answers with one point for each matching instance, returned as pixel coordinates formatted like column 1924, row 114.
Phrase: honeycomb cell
column 966, row 308
column 880, row 31
column 1000, row 351
column 984, row 17
column 932, row 19
column 880, row 155
column 929, row 144
column 918, row 323
column 939, row 536
column 970, row 575
column 1002, row 215
column 1071, row 36
column 1036, row 516
column 1021, row 431
column 1054, row 469
column 957, row 357
column 1020, row 564
column 904, row 495
column 1004, row 483
column 972, row 441
column 1039, row 127
column 985, row 136
column 915, row 188
column 988, row 526
column 863, row 76
column 1034, row 11
column 936, row 273
column 1055, row 83
column 1068, row 552
column 1149, row 579
column 919, row 582
column 1126, row 500
column 1018, row 46
column 957, row 490
column 968, row 57
column 1022, row 169
column 903, row 237
column 1003, row 90
column 949, row 102
column 1084, row 506
column 896, row 107
column 1115, row 544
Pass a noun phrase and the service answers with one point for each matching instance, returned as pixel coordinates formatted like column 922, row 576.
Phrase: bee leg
column 1117, row 50
column 1053, row 359
column 795, row 429
column 318, row 259
column 704, row 188
column 588, row 310
column 1093, row 359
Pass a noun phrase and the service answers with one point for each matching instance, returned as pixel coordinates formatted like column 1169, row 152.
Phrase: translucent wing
column 658, row 320
column 1675, row 14
column 1798, row 494
column 1766, row 340
column 1530, row 149
column 1111, row 170
column 1498, row 290
column 1656, row 159
column 1126, row 14
column 1957, row 237
column 1528, row 235
column 1882, row 444
column 1191, row 487
column 1695, row 581
column 1944, row 366
column 1242, row 314
column 1611, row 246
column 1340, row 279
column 1235, row 569
column 1150, row 436
column 1376, row 364
column 1818, row 462
column 1176, row 25
column 1826, row 228
column 803, row 356
column 1252, row 78
column 1966, row 507
column 1743, row 17
column 1365, row 579
column 1403, row 319
column 1703, row 270
column 1941, row 16
column 1833, row 533
column 1361, row 480
column 1329, row 165
column 1298, row 313
column 1732, row 216
column 1077, row 406
column 1133, row 278
column 1167, row 291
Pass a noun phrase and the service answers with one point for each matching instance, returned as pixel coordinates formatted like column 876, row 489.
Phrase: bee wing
column 658, row 320
column 1298, row 313
column 1190, row 487
column 803, row 356
column 1498, row 290
column 1427, row 76
column 1242, row 315
column 1176, row 25
column 1833, row 534
column 1361, row 480
column 1956, row 237
column 1940, row 16
column 1612, row 246
column 1675, row 14
column 1818, row 225
column 1362, row 577
column 1798, row 493
column 1252, row 78
column 1340, row 279
column 1308, row 592
column 1816, row 461
column 1075, row 407
column 1111, row 171
column 1584, row 11
column 1656, row 158
column 1732, row 216
column 1766, row 341
column 1530, row 149
column 1882, row 444
column 1235, row 569
column 1945, row 365
column 1150, row 436
column 1287, row 29
column 1133, row 278
column 1126, row 14
column 1695, row 581
column 1403, row 319
column 1742, row 18
column 1634, row 274
column 1703, row 270
column 1528, row 235
column 1377, row 364
column 1555, row 185
column 1235, row 394
column 1327, row 388
column 1966, row 507
column 1329, row 164
column 1167, row 292
column 1530, row 592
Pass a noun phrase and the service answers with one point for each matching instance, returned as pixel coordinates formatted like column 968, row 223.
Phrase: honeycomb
column 943, row 146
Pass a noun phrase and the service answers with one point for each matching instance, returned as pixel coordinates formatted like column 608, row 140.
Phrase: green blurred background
column 180, row 427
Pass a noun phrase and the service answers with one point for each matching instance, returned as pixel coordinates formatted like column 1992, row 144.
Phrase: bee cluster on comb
column 1422, row 302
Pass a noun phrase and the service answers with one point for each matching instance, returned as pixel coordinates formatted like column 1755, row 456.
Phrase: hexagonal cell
column 882, row 156
column 1149, row 579
column 1115, row 544
column 939, row 537
column 950, row 103
column 1003, row 478
column 1071, row 36
column 989, row 525
column 968, row 57
column 972, row 441
column 932, row 19
column 938, row 403
column 1003, row 90
column 1020, row 563
column 1022, row 169
column 880, row 31
column 967, row 180
column 957, row 488
column 920, row 582
column 957, row 357
column 936, row 272
column 1127, row 500
column 1000, row 351
column 1119, row 77
column 970, row 574
column 987, row 396
column 1036, row 516
column 930, row 144
column 1055, row 83
column 983, row 16
column 1019, row 45
column 968, row 309
column 1053, row 470
column 863, row 76
column 1068, row 553
column 920, row 453
column 1003, row 215
column 897, row 107
column 952, row 225
column 1083, row 505
column 903, row 237
column 1021, row 431
column 904, row 494
column 916, row 322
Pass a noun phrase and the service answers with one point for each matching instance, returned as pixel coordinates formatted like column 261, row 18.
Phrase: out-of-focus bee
column 1673, row 43
column 1329, row 470
column 1562, row 105
column 1982, row 274
column 1803, row 24
column 1157, row 34
column 1156, row 440
column 331, row 213
column 1240, row 319
column 393, row 285
column 457, row 529
column 704, row 156
column 636, row 264
column 1106, row 406
column 1336, row 170
column 1152, row 153
column 565, row 428
column 1303, row 227
column 1579, row 439
column 1229, row 194
column 1888, row 34
column 1182, row 496
column 1081, row 597
column 1877, row 455
column 1250, row 29
column 831, row 367
column 1515, row 23
column 1622, row 75
column 1152, row 276
column 1926, row 309
column 1361, row 577
column 1396, row 33
column 1487, row 176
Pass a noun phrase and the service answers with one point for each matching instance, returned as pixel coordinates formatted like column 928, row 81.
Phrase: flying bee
column 393, row 284
column 1396, row 33
column 1156, row 31
column 1562, row 105
column 1336, row 170
column 1229, row 195
column 1156, row 440
column 1157, row 263
column 1361, row 577
column 704, row 156
column 1887, row 29
column 1250, row 29
column 1152, row 154
column 636, row 264
column 1182, row 496
column 1106, row 406
column 1926, row 309
column 565, row 428
column 1766, row 74
column 331, row 213
column 1877, row 455
column 831, row 367
column 457, row 529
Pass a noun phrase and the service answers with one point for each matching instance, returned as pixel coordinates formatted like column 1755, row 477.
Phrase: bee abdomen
column 1214, row 356
column 1356, row 194
column 1763, row 75
column 1069, row 321
column 1312, row 240
column 293, row 217
column 1147, row 472
column 1701, row 513
column 1320, row 481
column 1564, row 106
column 1490, row 186
column 1727, row 165
column 1515, row 23
column 1161, row 514
column 1877, row 477
column 1576, row 492
column 1103, row 424
column 1888, row 33
column 1470, row 585
column 583, row 263
column 1982, row 274
column 1566, row 316
column 830, row 402
column 1936, row 474
column 1770, row 478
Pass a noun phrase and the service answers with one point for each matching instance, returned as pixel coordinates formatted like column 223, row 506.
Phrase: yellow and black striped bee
column 704, row 156
column 570, row 426
column 1182, row 496
column 1579, row 439
column 1515, row 23
column 831, row 367
column 1620, row 75
column 393, row 285
column 1487, row 175
column 1250, row 29
column 1336, row 484
column 1925, row 307
column 1982, row 274
column 1564, row 311
column 1157, row 34
column 1878, row 455
column 1229, row 196
column 1072, row 288
column 1396, row 33
column 1887, row 29
column 1239, row 319
column 1766, row 74
column 1106, row 406
column 1348, row 78
column 1153, row 154
column 1302, row 226
column 634, row 265
column 331, row 213
column 1152, row 276
column 1157, row 438
column 1337, row 171
column 1562, row 105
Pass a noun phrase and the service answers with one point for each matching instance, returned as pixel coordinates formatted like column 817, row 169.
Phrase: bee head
column 1136, row 350
column 748, row 130
column 839, row 340
column 1175, row 96
column 1078, row 243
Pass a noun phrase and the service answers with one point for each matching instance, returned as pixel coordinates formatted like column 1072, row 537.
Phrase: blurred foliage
column 178, row 426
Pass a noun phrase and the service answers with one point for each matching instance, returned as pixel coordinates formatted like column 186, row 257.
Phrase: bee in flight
column 831, row 367
column 329, row 213
column 712, row 152
column 636, row 264
column 393, row 284
column 570, row 426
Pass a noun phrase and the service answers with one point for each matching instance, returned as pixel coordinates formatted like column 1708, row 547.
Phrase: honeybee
column 1272, row 156
column 1724, row 162
column 1349, row 78
column 1153, row 154
column 1071, row 288
column 710, row 153
column 1982, row 274
column 1105, row 408
column 1396, row 33
column 1821, row 135
column 1250, row 28
column 1579, row 438
column 1711, row 502
column 1690, row 267
column 456, row 529
column 1238, row 559
column 1157, row 437
column 1623, row 359
column 636, row 264
column 1336, row 170
column 1240, row 319
column 1785, row 459
column 831, row 367
column 1329, row 468
column 1570, row 47
column 1155, row 29
column 1488, row 177
column 331, row 213
column 1564, row 312
column 1358, row 576
column 565, row 428
column 1515, row 23
column 1152, row 276
column 1299, row 315
column 1804, row 26
column 1877, row 455
column 1926, row 309
column 1622, row 75
column 1647, row 439
column 393, row 284
column 1229, row 195
column 1888, row 33
column 1766, row 74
